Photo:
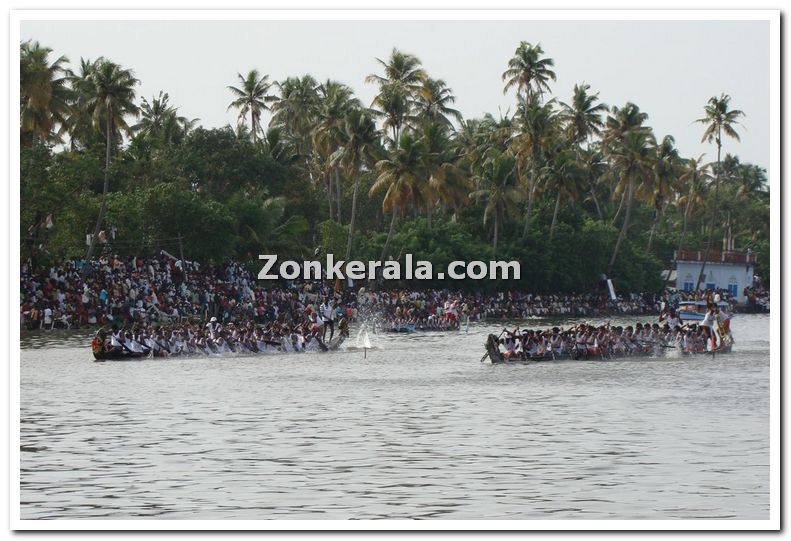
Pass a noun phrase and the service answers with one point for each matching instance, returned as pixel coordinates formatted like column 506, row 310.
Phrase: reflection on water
column 418, row 429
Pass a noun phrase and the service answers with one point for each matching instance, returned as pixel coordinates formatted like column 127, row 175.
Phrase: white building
column 724, row 270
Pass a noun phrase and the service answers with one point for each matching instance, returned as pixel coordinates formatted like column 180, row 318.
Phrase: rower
column 579, row 342
column 214, row 327
column 591, row 343
column 556, row 342
column 116, row 340
column 327, row 310
column 509, row 345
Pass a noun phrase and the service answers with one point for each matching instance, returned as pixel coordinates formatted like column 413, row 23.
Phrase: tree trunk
column 530, row 196
column 683, row 230
column 620, row 206
column 386, row 247
column 657, row 217
column 554, row 216
column 353, row 217
column 103, row 208
column 625, row 226
column 713, row 214
column 596, row 201
column 338, row 192
column 496, row 231
column 428, row 216
column 328, row 182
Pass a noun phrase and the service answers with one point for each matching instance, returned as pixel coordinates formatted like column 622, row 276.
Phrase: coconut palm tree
column 563, row 175
column 295, row 109
column 447, row 184
column 250, row 98
column 593, row 166
column 529, row 72
column 583, row 120
column 498, row 188
column 335, row 101
column 620, row 122
column 108, row 96
column 752, row 182
column 277, row 146
column 694, row 174
column 402, row 80
column 632, row 161
column 401, row 176
column 433, row 104
column 43, row 92
column 78, row 123
column 666, row 169
column 583, row 116
column 540, row 125
column 719, row 118
column 359, row 147
column 160, row 121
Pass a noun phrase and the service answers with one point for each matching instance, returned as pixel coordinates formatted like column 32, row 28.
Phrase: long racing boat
column 571, row 354
column 99, row 355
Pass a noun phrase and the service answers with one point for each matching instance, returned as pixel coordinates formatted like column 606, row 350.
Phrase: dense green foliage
column 572, row 190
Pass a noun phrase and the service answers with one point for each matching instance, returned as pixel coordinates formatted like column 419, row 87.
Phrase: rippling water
column 419, row 429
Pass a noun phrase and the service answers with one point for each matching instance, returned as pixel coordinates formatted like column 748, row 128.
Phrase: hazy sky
column 668, row 68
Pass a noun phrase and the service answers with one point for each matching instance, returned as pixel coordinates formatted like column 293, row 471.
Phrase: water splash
column 363, row 340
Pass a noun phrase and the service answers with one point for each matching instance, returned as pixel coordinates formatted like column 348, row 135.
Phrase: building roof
column 738, row 258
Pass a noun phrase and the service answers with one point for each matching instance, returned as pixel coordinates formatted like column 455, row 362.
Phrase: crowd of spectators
column 116, row 290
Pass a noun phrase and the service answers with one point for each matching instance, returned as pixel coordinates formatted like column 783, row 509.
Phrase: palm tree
column 108, row 96
column 359, row 147
column 540, row 126
column 433, row 102
column 583, row 120
column 335, row 101
column 447, row 184
column 583, row 116
column 666, row 169
column 621, row 121
column 528, row 72
column 295, row 109
column 401, row 69
column 694, row 174
column 43, row 92
column 752, row 182
column 563, row 175
column 632, row 161
column 277, row 146
column 79, row 124
column 497, row 187
column 401, row 176
column 594, row 168
column 401, row 81
column 159, row 121
column 719, row 118
column 251, row 97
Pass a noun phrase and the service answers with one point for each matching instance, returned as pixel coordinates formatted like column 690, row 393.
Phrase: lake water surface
column 418, row 429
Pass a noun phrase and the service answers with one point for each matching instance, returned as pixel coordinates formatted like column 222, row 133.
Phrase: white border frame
column 771, row 16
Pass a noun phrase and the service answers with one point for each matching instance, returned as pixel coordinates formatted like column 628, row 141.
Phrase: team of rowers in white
column 188, row 339
column 589, row 341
